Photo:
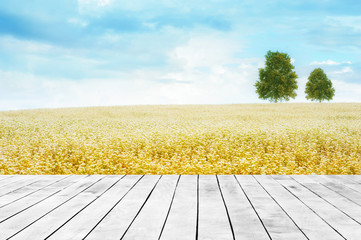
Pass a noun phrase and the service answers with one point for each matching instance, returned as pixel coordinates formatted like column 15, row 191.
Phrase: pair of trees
column 277, row 81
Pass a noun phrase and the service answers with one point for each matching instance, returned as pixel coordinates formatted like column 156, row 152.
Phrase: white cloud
column 205, row 70
column 204, row 52
column 213, row 75
column 94, row 2
column 8, row 43
column 78, row 22
column 201, row 71
column 352, row 22
column 330, row 63
column 221, row 84
column 301, row 96
column 347, row 92
column 343, row 70
column 93, row 7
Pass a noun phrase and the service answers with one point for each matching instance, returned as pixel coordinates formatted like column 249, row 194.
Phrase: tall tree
column 277, row 81
column 319, row 87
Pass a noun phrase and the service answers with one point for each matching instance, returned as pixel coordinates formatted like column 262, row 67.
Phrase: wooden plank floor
column 180, row 207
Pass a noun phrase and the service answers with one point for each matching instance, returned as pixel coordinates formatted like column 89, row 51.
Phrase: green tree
column 319, row 87
column 277, row 81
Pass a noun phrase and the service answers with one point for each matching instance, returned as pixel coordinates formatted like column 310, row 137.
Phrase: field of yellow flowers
column 206, row 139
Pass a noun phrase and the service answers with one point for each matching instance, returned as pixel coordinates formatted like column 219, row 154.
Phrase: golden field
column 205, row 139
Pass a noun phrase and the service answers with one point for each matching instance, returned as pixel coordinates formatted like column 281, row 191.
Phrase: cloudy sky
column 115, row 52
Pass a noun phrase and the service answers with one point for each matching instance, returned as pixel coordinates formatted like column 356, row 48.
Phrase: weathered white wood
column 5, row 177
column 347, row 227
column 309, row 223
column 245, row 222
column 276, row 221
column 18, row 182
column 344, row 180
column 114, row 225
column 343, row 204
column 59, row 216
column 213, row 221
column 20, row 221
column 355, row 178
column 182, row 219
column 18, row 185
column 341, row 189
column 242, row 207
column 148, row 224
column 347, row 179
column 79, row 226
column 29, row 189
column 17, row 206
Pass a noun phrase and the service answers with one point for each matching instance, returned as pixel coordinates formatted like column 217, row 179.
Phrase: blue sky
column 106, row 52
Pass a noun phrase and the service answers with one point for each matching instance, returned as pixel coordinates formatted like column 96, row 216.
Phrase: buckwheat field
column 209, row 139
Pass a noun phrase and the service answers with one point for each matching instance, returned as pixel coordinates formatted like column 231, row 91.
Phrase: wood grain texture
column 17, row 223
column 213, row 222
column 116, row 222
column 182, row 220
column 18, row 183
column 348, row 181
column 149, row 222
column 10, row 209
column 5, row 178
column 343, row 204
column 340, row 222
column 29, row 189
column 113, row 207
column 278, row 224
column 245, row 221
column 59, row 216
column 340, row 188
column 309, row 223
column 80, row 225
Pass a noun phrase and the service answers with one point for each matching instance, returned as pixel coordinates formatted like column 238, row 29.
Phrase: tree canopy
column 277, row 81
column 319, row 87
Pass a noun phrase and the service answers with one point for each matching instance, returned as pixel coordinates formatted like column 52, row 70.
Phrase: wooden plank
column 20, row 221
column 117, row 221
column 276, row 221
column 309, row 223
column 341, row 203
column 79, row 226
column 4, row 178
column 213, row 222
column 341, row 189
column 149, row 223
column 355, row 178
column 348, row 179
column 18, row 182
column 250, row 208
column 29, row 189
column 245, row 222
column 347, row 227
column 182, row 218
column 345, row 180
column 13, row 208
column 3, row 183
column 49, row 223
